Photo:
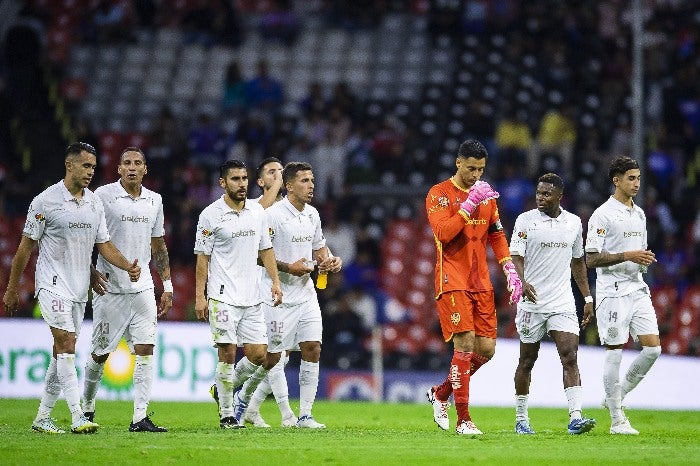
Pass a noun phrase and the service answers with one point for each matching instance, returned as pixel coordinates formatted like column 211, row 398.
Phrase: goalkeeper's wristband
column 167, row 286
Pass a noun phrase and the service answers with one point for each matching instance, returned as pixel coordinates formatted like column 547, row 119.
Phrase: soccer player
column 121, row 307
column 547, row 249
column 269, row 178
column 232, row 234
column 68, row 221
column 297, row 236
column 463, row 214
column 616, row 245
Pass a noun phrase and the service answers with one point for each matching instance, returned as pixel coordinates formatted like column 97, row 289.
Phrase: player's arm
column 159, row 252
column 528, row 290
column 606, row 259
column 267, row 257
column 269, row 196
column 19, row 263
column 112, row 255
column 327, row 262
column 580, row 274
column 200, row 284
column 445, row 225
column 298, row 268
column 499, row 244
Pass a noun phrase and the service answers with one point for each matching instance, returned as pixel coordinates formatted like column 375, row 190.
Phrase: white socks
column 308, row 385
column 224, row 385
column 68, row 378
column 278, row 384
column 243, row 370
column 521, row 408
column 574, row 396
column 639, row 368
column 93, row 376
column 143, row 381
column 52, row 390
column 252, row 383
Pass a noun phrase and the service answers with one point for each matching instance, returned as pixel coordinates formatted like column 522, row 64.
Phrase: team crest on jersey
column 40, row 217
column 522, row 235
column 207, row 233
column 612, row 333
column 443, row 201
column 271, row 232
column 600, row 231
column 455, row 318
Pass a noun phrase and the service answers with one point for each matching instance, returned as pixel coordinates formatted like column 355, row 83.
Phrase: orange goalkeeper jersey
column 461, row 240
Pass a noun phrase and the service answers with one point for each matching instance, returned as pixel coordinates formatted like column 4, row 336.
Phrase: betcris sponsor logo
column 554, row 244
column 242, row 233
column 302, row 239
column 80, row 225
column 135, row 218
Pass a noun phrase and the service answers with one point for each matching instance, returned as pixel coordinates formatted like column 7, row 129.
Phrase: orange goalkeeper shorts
column 466, row 311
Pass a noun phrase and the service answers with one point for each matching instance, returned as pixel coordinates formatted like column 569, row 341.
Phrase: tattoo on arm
column 162, row 262
column 604, row 259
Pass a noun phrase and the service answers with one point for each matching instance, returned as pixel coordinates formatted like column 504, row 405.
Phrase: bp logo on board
column 118, row 375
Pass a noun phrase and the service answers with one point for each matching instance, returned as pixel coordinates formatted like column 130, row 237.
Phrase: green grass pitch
column 358, row 433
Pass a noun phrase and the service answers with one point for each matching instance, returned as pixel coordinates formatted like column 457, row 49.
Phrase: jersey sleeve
column 518, row 241
column 577, row 247
column 445, row 225
column 35, row 224
column 102, row 231
column 204, row 238
column 159, row 225
column 497, row 237
column 265, row 240
column 597, row 229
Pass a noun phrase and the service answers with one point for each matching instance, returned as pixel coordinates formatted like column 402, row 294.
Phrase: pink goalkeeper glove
column 480, row 192
column 515, row 286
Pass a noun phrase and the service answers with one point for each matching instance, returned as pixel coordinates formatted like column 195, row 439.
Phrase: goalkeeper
column 464, row 217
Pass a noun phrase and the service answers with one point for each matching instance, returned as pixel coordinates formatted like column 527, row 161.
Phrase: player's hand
column 276, row 294
column 201, row 308
column 332, row 264
column 642, row 257
column 98, row 281
column 301, row 267
column 588, row 313
column 11, row 301
column 134, row 271
column 166, row 302
column 481, row 191
column 515, row 286
column 529, row 292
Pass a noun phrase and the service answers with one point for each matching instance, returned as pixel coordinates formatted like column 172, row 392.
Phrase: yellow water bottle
column 322, row 280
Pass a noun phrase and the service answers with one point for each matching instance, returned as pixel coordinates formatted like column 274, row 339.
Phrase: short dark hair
column 552, row 178
column 261, row 165
column 621, row 165
column 292, row 168
column 131, row 149
column 472, row 148
column 76, row 148
column 230, row 165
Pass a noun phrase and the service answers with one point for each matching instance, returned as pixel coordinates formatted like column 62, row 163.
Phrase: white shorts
column 131, row 315
column 532, row 326
column 289, row 325
column 237, row 325
column 60, row 312
column 618, row 317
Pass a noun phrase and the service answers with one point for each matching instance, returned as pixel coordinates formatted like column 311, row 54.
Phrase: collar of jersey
column 67, row 196
column 291, row 208
column 123, row 193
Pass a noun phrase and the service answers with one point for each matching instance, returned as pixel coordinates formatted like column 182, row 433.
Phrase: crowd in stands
column 561, row 101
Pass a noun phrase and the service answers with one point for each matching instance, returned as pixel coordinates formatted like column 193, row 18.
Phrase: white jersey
column 232, row 240
column 615, row 228
column 294, row 235
column 131, row 222
column 548, row 244
column 67, row 230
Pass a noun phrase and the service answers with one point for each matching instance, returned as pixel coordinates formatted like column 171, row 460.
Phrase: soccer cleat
column 255, row 419
column 239, row 406
column 214, row 394
column 90, row 416
column 230, row 423
column 290, row 421
column 145, row 425
column 623, row 428
column 439, row 409
column 46, row 426
column 309, row 422
column 468, row 428
column 523, row 427
column 604, row 404
column 581, row 426
column 84, row 426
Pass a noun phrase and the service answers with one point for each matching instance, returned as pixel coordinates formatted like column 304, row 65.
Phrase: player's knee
column 651, row 352
column 271, row 359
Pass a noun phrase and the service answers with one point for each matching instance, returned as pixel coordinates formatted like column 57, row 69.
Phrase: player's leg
column 485, row 323
column 280, row 389
column 111, row 315
column 644, row 328
column 223, row 320
column 52, row 390
column 564, row 328
column 531, row 327
column 142, row 335
column 308, row 334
